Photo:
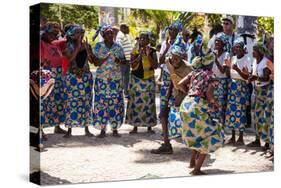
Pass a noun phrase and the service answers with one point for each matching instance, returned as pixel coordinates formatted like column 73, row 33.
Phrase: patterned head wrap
column 52, row 27
column 199, row 40
column 199, row 62
column 179, row 47
column 240, row 42
column 221, row 36
column 259, row 47
column 104, row 28
column 177, row 25
column 73, row 29
column 147, row 33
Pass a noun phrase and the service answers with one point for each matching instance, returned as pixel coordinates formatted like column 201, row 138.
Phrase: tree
column 265, row 26
column 64, row 14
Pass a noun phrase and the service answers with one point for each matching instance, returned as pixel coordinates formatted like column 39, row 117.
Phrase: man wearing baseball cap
column 228, row 29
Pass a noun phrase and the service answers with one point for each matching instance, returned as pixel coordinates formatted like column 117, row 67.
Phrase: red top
column 51, row 53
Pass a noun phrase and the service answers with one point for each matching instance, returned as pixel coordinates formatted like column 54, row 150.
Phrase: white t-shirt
column 245, row 61
column 217, row 73
column 162, row 50
column 258, row 71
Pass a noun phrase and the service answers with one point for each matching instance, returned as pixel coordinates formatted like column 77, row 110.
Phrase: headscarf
column 240, row 42
column 179, row 47
column 51, row 28
column 147, row 33
column 199, row 62
column 198, row 40
column 260, row 47
column 177, row 25
column 105, row 28
column 221, row 37
column 72, row 30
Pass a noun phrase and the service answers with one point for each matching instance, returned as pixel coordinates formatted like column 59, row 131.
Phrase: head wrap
column 260, row 47
column 179, row 47
column 177, row 25
column 198, row 40
column 51, row 27
column 73, row 29
column 221, row 36
column 199, row 62
column 104, row 28
column 147, row 33
column 240, row 42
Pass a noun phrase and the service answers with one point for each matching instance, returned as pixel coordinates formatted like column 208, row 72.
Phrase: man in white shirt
column 124, row 40
column 228, row 30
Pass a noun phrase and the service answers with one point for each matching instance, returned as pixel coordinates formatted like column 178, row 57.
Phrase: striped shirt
column 125, row 42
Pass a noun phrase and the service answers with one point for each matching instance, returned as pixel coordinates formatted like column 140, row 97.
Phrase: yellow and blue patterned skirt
column 108, row 103
column 164, row 92
column 237, row 100
column 141, row 108
column 199, row 131
column 220, row 94
column 263, row 111
column 78, row 98
column 52, row 108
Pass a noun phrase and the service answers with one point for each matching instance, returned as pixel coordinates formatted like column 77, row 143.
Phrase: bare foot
column 88, row 134
column 197, row 172
column 240, row 143
column 192, row 164
column 101, row 135
column 59, row 130
column 116, row 134
column 133, row 131
column 150, row 131
column 67, row 135
column 230, row 142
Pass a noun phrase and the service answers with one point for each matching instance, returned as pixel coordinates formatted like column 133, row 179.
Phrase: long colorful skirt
column 78, row 98
column 164, row 91
column 174, row 120
column 237, row 101
column 108, row 104
column 263, row 111
column 271, row 130
column 199, row 132
column 52, row 107
column 141, row 108
column 220, row 95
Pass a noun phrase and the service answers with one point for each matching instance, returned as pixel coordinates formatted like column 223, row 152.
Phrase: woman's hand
column 235, row 67
column 227, row 63
column 147, row 51
column 252, row 78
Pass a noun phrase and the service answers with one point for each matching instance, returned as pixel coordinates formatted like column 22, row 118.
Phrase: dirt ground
column 81, row 159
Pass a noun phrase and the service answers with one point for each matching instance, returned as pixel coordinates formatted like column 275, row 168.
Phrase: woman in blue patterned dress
column 219, row 71
column 165, row 52
column 141, row 108
column 199, row 132
column 238, row 91
column 51, row 108
column 264, row 98
column 108, row 102
column 178, row 69
column 78, row 83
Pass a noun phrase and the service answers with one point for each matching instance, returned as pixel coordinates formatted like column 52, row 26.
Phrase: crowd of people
column 202, row 92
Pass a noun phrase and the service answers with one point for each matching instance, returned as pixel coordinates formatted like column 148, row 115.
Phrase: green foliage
column 65, row 14
column 214, row 19
column 197, row 21
column 265, row 25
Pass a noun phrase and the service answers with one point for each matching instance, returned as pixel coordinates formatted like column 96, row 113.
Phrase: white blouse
column 245, row 61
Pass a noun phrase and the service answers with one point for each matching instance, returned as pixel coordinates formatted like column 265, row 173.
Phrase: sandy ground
column 81, row 159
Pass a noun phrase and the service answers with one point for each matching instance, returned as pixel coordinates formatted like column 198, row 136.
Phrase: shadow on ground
column 42, row 178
